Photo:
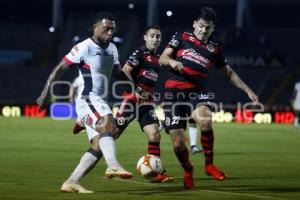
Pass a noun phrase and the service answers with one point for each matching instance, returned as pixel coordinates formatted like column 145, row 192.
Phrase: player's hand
column 41, row 101
column 252, row 96
column 141, row 94
column 176, row 65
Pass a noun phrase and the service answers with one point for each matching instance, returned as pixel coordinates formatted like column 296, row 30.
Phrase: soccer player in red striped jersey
column 142, row 68
column 188, row 58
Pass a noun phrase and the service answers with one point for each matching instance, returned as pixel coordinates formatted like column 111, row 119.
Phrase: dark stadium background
column 258, row 151
column 263, row 49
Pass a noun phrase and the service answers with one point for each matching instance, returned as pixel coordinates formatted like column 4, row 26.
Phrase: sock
column 193, row 136
column 96, row 154
column 108, row 148
column 153, row 148
column 183, row 158
column 207, row 142
column 161, row 125
column 87, row 162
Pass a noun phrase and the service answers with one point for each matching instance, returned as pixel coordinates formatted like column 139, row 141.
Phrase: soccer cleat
column 77, row 128
column 117, row 172
column 196, row 149
column 70, row 186
column 213, row 171
column 163, row 178
column 188, row 180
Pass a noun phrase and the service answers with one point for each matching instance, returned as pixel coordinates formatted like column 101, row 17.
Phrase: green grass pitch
column 37, row 155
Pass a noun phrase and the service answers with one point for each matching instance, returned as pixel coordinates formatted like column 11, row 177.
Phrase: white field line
column 208, row 191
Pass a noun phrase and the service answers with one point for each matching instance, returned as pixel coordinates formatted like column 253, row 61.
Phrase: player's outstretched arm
column 166, row 59
column 57, row 71
column 127, row 69
column 237, row 81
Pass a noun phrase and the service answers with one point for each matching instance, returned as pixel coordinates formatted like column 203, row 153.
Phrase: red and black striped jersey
column 197, row 58
column 145, row 68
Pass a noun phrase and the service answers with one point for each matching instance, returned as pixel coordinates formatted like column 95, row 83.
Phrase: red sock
column 183, row 158
column 207, row 142
column 153, row 148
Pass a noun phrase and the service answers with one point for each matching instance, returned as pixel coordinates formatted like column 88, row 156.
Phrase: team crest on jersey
column 74, row 50
column 210, row 48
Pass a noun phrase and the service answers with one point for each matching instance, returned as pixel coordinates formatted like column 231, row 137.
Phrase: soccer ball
column 149, row 165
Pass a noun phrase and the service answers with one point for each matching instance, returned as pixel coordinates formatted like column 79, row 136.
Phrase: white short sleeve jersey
column 95, row 66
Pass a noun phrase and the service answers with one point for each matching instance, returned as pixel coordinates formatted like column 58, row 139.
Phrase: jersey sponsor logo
column 203, row 96
column 150, row 75
column 104, row 53
column 192, row 55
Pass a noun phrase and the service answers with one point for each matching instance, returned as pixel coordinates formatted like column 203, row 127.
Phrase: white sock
column 296, row 121
column 108, row 148
column 193, row 135
column 86, row 161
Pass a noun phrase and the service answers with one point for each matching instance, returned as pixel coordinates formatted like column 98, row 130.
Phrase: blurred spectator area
column 264, row 52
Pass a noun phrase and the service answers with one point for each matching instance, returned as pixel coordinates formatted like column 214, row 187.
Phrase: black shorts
column 192, row 121
column 129, row 110
column 178, row 110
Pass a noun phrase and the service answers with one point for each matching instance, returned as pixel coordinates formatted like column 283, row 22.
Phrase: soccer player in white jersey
column 296, row 99
column 95, row 57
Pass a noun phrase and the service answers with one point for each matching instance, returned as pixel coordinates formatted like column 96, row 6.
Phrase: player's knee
column 177, row 138
column 118, row 132
column 154, row 136
column 95, row 143
column 206, row 125
column 106, row 124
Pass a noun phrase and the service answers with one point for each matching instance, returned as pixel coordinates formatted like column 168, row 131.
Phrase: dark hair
column 99, row 17
column 151, row 27
column 208, row 14
column 103, row 15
